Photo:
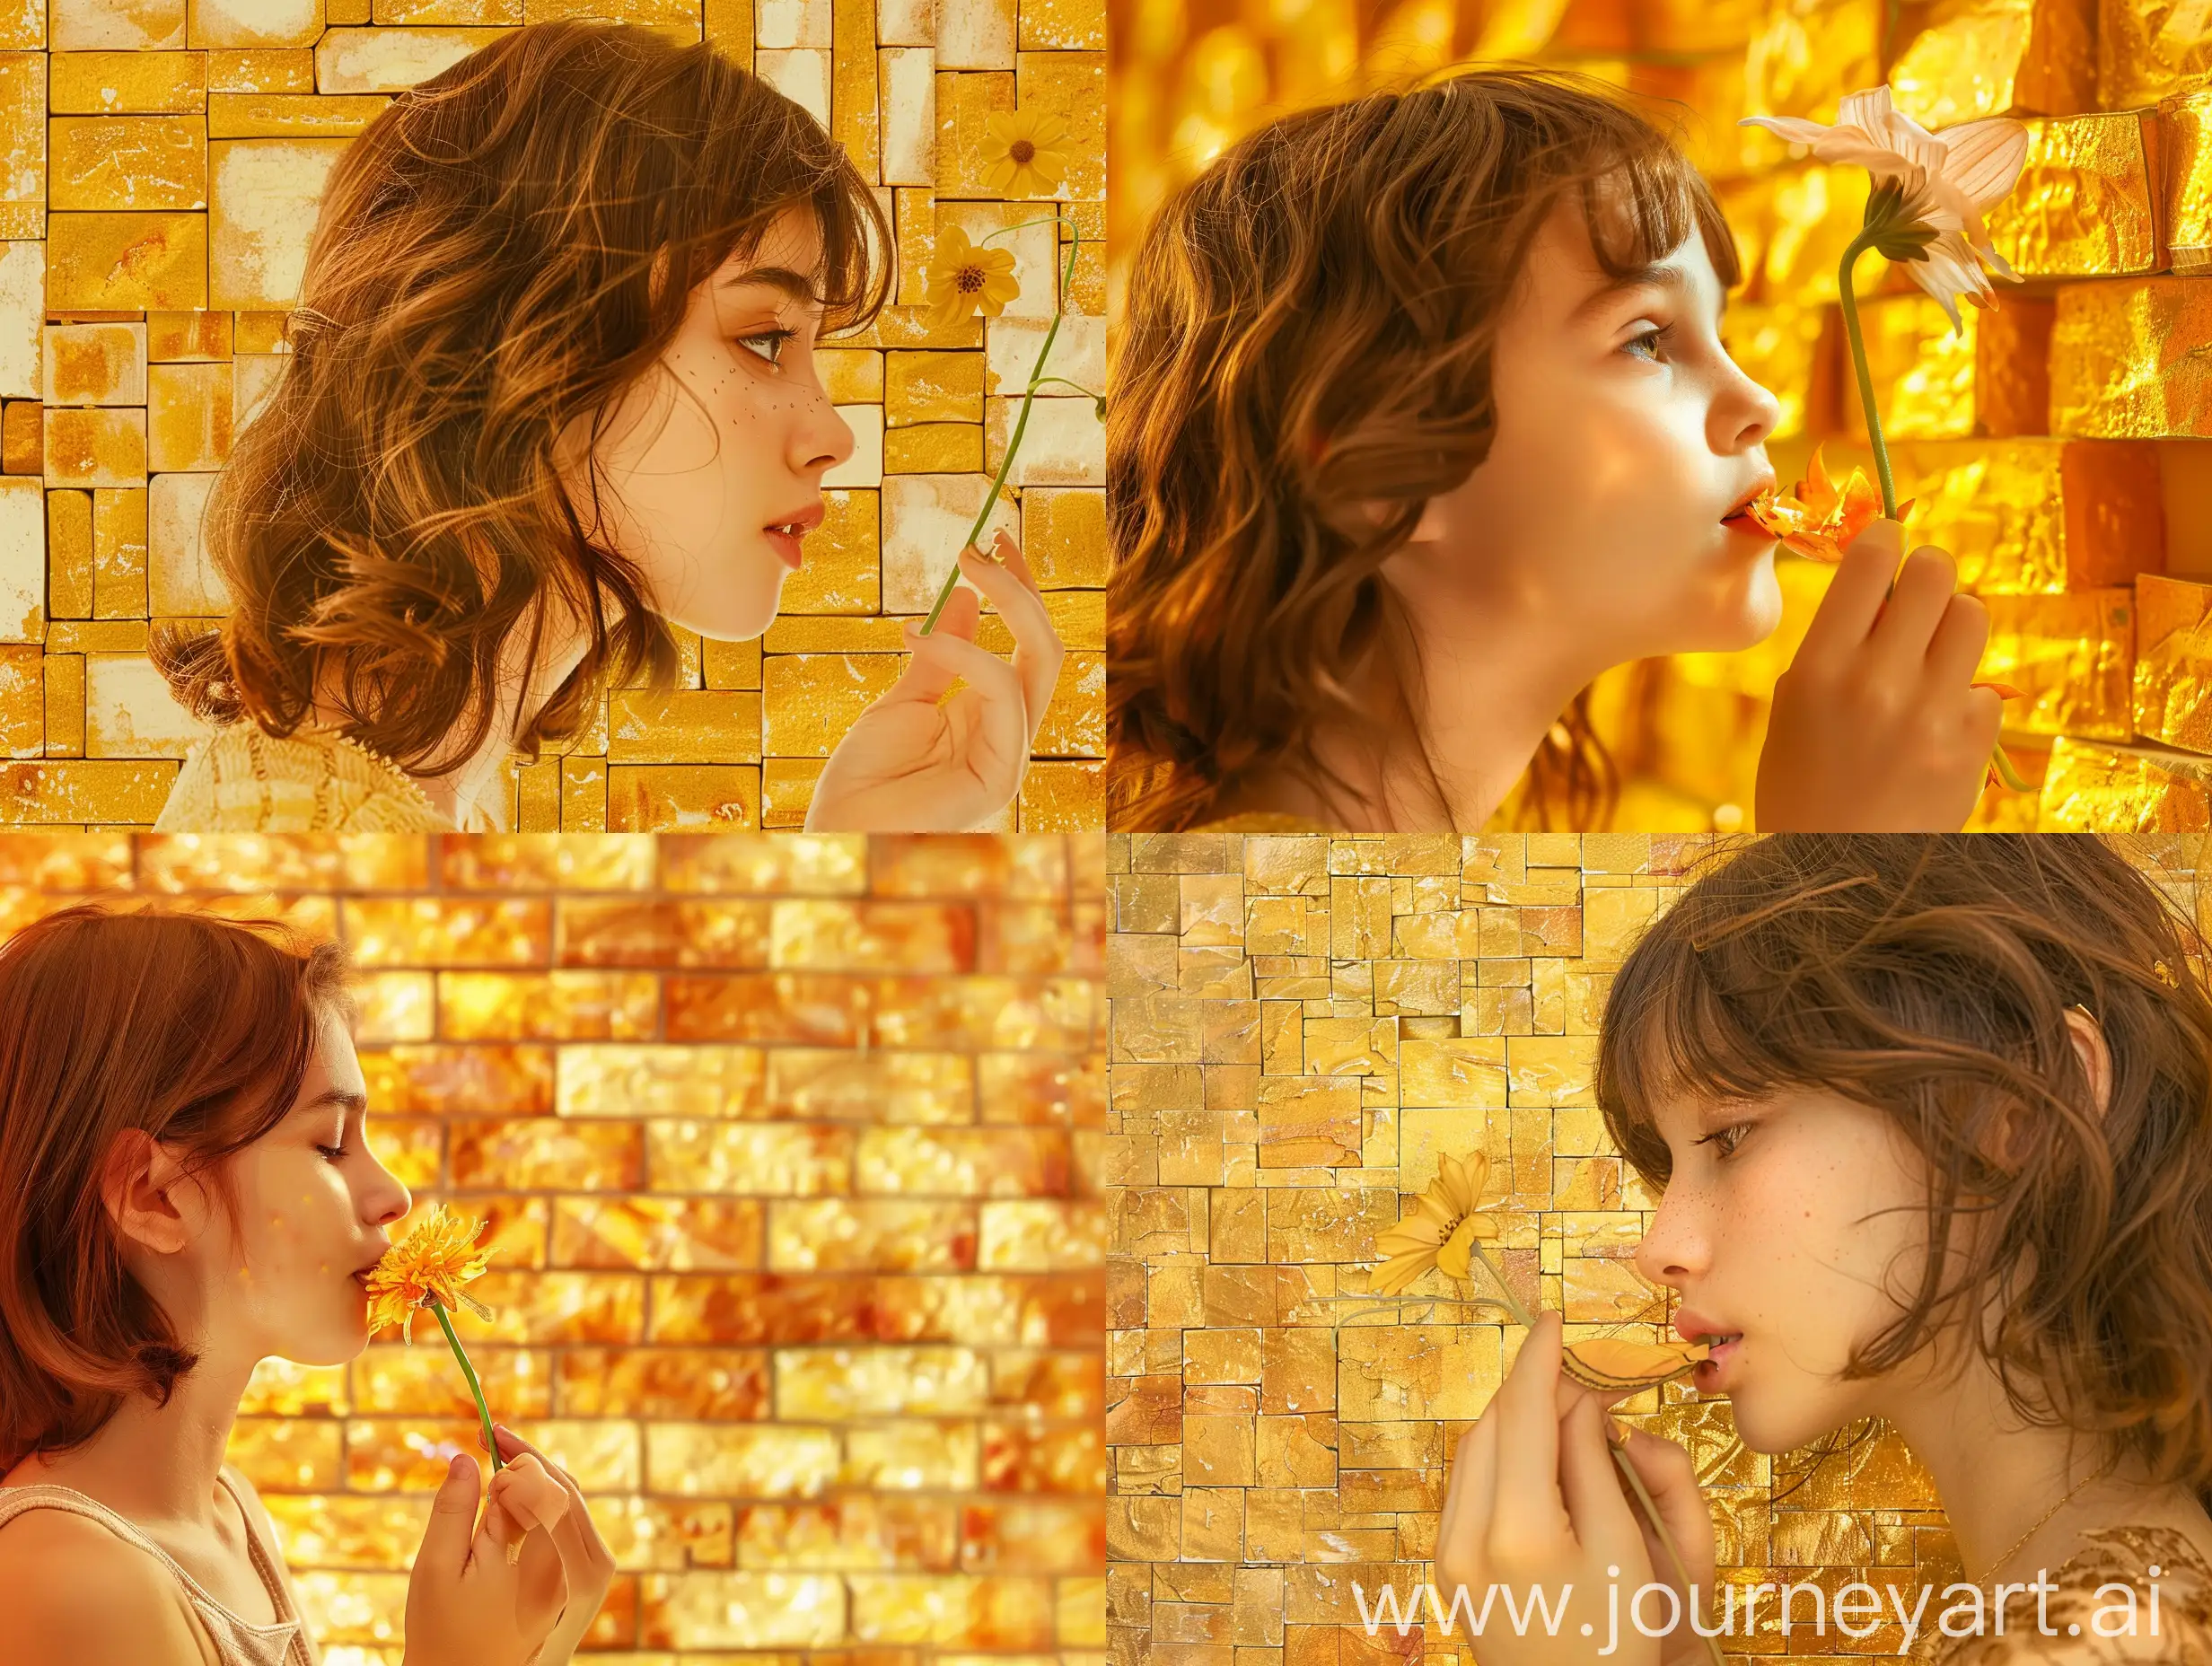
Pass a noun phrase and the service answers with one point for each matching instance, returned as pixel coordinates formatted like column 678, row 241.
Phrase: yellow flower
column 430, row 1264
column 1023, row 161
column 1441, row 1230
column 964, row 279
column 1610, row 1364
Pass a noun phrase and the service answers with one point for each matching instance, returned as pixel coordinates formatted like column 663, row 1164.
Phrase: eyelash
column 1737, row 1128
column 334, row 1153
column 779, row 337
column 1655, row 335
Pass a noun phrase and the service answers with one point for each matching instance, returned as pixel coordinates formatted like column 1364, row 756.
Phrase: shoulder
column 2131, row 1594
column 264, row 1528
column 76, row 1594
column 240, row 778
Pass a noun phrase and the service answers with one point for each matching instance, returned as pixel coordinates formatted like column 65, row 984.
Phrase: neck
column 155, row 1464
column 479, row 780
column 1999, row 1479
column 1492, row 684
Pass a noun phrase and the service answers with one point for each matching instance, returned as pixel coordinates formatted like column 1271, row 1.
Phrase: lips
column 1739, row 518
column 788, row 533
column 1724, row 1343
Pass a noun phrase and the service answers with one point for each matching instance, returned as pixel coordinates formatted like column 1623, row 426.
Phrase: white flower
column 1930, row 221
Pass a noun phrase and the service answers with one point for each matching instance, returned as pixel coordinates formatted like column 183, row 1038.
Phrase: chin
column 1749, row 612
column 739, row 614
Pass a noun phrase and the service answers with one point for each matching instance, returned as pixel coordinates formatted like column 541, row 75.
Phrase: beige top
column 237, row 1642
column 2112, row 1556
column 243, row 779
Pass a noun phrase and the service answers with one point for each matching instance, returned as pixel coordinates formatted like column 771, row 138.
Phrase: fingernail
column 1616, row 1431
column 452, row 1470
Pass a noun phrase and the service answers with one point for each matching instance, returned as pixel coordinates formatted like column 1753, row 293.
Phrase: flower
column 963, row 279
column 1023, row 161
column 1441, row 1230
column 1817, row 519
column 1930, row 190
column 430, row 1264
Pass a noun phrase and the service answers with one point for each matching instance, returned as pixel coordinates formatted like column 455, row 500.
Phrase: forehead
column 1568, row 289
column 792, row 242
column 333, row 1065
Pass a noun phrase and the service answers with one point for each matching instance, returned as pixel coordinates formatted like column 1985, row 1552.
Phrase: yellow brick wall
column 2044, row 445
column 1299, row 1028
column 790, row 1150
column 163, row 168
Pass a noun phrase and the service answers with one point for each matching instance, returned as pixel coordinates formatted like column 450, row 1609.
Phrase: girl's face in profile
column 313, row 1206
column 1796, row 1223
column 715, row 459
column 1625, row 433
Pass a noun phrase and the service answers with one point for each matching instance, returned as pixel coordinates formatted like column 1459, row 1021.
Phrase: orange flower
column 430, row 1264
column 1817, row 519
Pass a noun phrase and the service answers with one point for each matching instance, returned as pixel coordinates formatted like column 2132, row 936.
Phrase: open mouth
column 789, row 536
column 1713, row 1366
column 1740, row 519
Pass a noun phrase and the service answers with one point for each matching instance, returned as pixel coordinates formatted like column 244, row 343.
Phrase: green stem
column 1859, row 245
column 1078, row 387
column 1014, row 440
column 491, row 1443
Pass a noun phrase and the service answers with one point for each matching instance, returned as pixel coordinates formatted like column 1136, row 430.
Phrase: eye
column 335, row 1154
column 1729, row 1145
column 1653, row 336
column 774, row 340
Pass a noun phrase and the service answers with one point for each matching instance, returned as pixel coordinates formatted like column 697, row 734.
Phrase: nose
column 1677, row 1249
column 820, row 439
column 388, row 1200
column 1745, row 416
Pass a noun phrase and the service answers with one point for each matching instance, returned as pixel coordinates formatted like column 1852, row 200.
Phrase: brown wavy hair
column 1928, row 977
column 493, row 254
column 197, row 1029
column 1308, row 328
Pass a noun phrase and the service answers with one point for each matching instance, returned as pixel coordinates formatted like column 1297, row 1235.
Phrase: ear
column 1430, row 527
column 152, row 1202
column 2096, row 1059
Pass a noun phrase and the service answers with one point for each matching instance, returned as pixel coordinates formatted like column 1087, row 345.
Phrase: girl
column 191, row 1192
column 556, row 392
column 1930, row 1122
column 1421, row 420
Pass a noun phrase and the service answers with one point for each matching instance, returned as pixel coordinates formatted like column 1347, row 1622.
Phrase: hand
column 1535, row 1501
column 467, row 1604
column 1876, row 727
column 585, row 1563
column 910, row 765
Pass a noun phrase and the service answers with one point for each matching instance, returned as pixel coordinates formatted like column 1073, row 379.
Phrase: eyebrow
column 1651, row 276
column 796, row 285
column 338, row 1096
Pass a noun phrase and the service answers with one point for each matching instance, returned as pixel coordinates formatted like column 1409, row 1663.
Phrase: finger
column 495, row 1534
column 529, row 1493
column 1036, row 650
column 1899, row 643
column 1463, row 1526
column 578, row 1535
column 1009, row 550
column 452, row 1515
column 1602, row 1519
column 1671, row 1479
column 1954, row 651
column 1003, row 717
column 1529, row 1506
column 1847, row 612
column 929, row 673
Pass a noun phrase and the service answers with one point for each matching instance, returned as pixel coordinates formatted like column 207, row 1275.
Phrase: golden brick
column 683, row 726
column 391, row 1377
column 1075, row 720
column 705, row 1609
column 2095, row 787
column 95, row 364
column 564, row 1006
column 689, row 1080
column 266, row 69
column 1999, row 60
column 934, row 448
column 964, row 103
column 102, row 262
column 90, row 83
column 2028, row 516
column 181, row 336
column 64, row 676
column 810, row 699
column 338, row 1531
column 2083, row 207
column 850, row 376
column 2182, row 125
column 1988, row 378
column 127, row 161
column 119, row 555
column 189, row 416
column 760, row 1461
column 96, row 446
column 425, row 931
column 2140, row 60
column 684, row 1235
column 653, row 797
column 742, row 1158
column 286, row 1454
column 2115, row 369
column 932, row 387
column 263, row 195
column 2171, row 703
column 2071, row 655
column 286, row 115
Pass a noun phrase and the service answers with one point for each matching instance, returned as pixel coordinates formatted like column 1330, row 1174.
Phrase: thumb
column 1880, row 534
column 453, row 1518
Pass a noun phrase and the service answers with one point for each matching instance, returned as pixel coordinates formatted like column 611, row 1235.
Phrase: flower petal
column 1453, row 1258
column 1794, row 129
column 1395, row 1274
column 1984, row 158
column 1609, row 1362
